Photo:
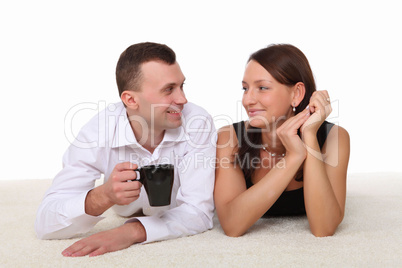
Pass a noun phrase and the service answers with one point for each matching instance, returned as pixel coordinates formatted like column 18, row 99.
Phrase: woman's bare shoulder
column 339, row 134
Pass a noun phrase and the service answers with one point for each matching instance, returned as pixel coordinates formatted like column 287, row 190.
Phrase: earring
column 294, row 108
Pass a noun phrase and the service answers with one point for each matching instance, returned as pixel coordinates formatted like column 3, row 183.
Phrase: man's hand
column 118, row 189
column 108, row 241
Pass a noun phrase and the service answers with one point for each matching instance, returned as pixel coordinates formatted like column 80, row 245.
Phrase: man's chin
column 174, row 124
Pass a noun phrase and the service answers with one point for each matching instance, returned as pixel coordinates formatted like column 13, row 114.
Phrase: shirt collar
column 125, row 136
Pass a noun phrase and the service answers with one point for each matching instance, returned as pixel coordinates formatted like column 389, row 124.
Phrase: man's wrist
column 136, row 230
column 97, row 202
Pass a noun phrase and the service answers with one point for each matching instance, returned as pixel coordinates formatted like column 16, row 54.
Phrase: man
column 152, row 125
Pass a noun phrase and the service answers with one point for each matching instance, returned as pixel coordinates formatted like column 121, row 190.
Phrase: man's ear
column 129, row 98
column 299, row 90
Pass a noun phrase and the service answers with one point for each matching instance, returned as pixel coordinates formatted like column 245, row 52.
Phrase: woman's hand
column 320, row 108
column 287, row 132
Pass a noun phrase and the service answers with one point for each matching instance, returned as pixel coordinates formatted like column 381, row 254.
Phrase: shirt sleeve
column 195, row 204
column 62, row 211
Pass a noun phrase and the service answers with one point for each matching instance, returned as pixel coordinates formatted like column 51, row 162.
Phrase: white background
column 57, row 54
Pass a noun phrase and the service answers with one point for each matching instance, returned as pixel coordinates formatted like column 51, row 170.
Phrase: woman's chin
column 258, row 123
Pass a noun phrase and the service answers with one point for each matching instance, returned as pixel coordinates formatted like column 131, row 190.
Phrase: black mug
column 158, row 182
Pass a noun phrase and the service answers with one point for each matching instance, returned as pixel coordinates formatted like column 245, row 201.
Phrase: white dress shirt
column 107, row 139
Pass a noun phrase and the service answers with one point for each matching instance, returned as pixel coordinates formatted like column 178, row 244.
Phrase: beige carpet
column 369, row 236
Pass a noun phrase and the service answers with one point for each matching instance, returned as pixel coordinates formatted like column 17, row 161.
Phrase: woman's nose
column 249, row 97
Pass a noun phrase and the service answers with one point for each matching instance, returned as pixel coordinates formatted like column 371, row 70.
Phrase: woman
column 286, row 159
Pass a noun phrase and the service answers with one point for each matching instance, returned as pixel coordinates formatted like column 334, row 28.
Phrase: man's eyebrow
column 169, row 85
column 172, row 84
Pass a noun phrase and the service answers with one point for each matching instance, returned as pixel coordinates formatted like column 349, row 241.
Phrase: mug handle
column 139, row 178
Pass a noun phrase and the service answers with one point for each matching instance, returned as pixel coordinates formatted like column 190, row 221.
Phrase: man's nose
column 180, row 97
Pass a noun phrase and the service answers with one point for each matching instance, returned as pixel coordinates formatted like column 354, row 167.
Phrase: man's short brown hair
column 128, row 69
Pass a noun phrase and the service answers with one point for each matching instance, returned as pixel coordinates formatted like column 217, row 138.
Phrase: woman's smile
column 254, row 112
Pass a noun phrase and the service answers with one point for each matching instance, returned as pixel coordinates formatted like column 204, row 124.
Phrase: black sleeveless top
column 290, row 202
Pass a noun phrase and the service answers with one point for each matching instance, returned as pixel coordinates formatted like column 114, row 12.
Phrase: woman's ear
column 299, row 91
column 129, row 98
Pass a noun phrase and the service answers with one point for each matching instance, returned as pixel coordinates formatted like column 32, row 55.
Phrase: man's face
column 161, row 97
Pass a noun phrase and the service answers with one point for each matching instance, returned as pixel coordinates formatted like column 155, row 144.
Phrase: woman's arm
column 325, row 181
column 324, row 171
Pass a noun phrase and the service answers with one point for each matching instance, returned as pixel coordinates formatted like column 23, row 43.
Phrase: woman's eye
column 263, row 88
column 244, row 88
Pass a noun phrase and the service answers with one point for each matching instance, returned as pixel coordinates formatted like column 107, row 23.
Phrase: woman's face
column 268, row 103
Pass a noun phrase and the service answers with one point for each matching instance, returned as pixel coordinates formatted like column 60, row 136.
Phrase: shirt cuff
column 155, row 228
column 76, row 210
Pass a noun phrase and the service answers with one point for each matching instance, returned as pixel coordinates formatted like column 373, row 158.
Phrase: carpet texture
column 369, row 236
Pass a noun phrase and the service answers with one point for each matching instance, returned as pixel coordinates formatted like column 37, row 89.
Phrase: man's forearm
column 97, row 202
